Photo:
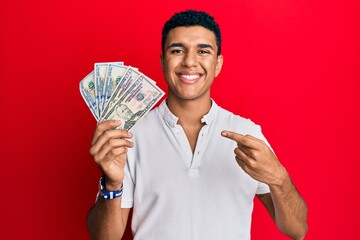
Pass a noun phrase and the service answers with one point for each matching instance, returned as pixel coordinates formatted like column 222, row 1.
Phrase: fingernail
column 224, row 133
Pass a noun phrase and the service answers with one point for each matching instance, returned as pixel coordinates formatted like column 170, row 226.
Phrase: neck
column 189, row 111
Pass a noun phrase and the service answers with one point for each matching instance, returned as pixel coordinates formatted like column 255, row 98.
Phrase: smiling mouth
column 189, row 77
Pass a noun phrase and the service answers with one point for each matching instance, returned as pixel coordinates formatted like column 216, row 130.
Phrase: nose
column 189, row 60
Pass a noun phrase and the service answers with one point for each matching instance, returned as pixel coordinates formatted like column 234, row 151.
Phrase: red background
column 292, row 66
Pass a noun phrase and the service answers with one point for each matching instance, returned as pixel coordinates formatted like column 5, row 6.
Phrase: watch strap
column 108, row 195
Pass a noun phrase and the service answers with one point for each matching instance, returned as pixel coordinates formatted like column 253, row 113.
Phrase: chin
column 192, row 96
column 189, row 94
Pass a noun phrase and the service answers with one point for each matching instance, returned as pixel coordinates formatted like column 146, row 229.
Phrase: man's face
column 190, row 62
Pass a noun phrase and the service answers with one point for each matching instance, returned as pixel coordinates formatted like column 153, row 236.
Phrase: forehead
column 191, row 34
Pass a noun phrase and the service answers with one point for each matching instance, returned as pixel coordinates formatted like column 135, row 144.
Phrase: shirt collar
column 171, row 119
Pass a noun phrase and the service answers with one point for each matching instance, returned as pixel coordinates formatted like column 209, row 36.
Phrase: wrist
column 112, row 186
column 283, row 183
column 109, row 194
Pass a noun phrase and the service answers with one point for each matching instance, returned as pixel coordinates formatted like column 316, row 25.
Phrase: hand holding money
column 119, row 92
column 119, row 97
column 109, row 148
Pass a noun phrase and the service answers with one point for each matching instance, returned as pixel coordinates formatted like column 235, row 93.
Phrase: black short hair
column 192, row 18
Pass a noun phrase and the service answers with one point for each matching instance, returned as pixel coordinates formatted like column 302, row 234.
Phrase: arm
column 287, row 209
column 107, row 220
column 284, row 204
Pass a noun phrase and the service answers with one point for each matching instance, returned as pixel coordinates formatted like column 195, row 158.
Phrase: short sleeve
column 127, row 200
column 262, row 188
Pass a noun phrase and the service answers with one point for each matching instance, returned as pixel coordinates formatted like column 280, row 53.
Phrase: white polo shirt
column 180, row 195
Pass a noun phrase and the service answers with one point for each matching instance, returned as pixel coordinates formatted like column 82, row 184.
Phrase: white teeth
column 190, row 77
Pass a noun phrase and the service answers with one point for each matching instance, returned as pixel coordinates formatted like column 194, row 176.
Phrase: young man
column 190, row 169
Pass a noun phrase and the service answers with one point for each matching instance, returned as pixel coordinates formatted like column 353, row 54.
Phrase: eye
column 176, row 51
column 203, row 52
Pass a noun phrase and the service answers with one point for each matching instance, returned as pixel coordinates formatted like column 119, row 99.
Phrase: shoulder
column 236, row 123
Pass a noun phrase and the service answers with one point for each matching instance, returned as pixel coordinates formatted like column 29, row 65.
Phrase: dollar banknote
column 87, row 90
column 138, row 99
column 129, row 76
column 100, row 71
column 114, row 75
column 116, row 91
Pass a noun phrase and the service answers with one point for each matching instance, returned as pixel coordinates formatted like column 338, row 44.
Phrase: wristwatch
column 106, row 194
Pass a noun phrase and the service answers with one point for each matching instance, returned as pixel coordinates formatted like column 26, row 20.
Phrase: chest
column 169, row 164
column 192, row 134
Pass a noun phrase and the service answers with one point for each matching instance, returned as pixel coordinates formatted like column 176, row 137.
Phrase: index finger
column 104, row 126
column 240, row 139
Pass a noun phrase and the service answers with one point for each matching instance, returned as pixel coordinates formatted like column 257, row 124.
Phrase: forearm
column 105, row 220
column 290, row 208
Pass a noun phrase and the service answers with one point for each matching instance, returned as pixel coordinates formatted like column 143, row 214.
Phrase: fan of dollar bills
column 116, row 91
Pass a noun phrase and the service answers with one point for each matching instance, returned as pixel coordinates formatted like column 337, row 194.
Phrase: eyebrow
column 201, row 45
column 204, row 45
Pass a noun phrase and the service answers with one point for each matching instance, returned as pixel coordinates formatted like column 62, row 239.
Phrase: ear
column 219, row 63
column 162, row 61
